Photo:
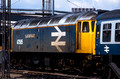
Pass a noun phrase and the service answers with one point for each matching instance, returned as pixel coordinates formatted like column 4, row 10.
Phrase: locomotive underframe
column 72, row 63
column 79, row 64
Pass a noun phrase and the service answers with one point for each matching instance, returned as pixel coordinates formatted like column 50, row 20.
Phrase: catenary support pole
column 43, row 6
column 8, row 37
column 52, row 7
column 5, row 25
column 3, row 6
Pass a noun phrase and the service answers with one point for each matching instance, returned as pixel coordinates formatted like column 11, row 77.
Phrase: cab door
column 85, row 37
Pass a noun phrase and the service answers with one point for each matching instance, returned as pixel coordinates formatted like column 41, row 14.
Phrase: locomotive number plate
column 20, row 41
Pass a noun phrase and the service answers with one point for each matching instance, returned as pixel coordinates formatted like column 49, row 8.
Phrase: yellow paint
column 0, row 48
column 94, row 39
column 30, row 36
column 10, row 50
column 11, row 39
column 85, row 41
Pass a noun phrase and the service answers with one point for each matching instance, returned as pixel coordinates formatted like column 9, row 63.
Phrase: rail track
column 28, row 74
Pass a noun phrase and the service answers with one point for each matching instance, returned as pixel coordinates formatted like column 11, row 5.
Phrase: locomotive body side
column 45, row 39
column 56, row 34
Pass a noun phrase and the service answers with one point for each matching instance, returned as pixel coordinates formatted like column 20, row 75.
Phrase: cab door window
column 79, row 27
column 106, row 32
column 78, row 36
column 117, row 32
column 85, row 27
column 93, row 24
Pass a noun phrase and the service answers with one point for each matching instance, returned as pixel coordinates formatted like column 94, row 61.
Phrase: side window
column 79, row 30
column 106, row 33
column 93, row 24
column 79, row 26
column 85, row 27
column 117, row 32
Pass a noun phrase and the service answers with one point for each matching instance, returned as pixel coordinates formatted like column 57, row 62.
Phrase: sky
column 66, row 5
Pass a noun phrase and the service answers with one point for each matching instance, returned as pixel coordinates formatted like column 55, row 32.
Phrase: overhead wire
column 15, row 2
column 73, row 3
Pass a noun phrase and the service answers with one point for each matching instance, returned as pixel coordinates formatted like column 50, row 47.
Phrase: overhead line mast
column 5, row 25
column 52, row 7
column 43, row 7
column 8, row 37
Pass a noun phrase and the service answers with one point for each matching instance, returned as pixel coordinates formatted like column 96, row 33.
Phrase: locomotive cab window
column 85, row 27
column 78, row 34
column 93, row 24
column 117, row 32
column 79, row 27
column 106, row 33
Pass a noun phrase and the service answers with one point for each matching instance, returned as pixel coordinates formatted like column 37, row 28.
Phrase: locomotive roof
column 109, row 15
column 54, row 20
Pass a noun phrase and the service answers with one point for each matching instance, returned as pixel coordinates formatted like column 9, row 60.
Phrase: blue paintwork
column 43, row 40
column 114, row 49
column 98, row 39
column 97, row 47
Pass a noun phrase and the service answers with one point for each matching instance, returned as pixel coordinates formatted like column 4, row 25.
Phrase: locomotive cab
column 85, row 35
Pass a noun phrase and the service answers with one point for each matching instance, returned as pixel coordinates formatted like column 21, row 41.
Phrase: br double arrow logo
column 58, row 43
column 106, row 49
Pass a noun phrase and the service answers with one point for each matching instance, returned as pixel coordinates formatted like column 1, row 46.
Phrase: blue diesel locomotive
column 76, row 40
column 52, row 34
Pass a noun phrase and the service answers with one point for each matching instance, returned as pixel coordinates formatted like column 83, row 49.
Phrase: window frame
column 102, row 29
column 113, row 26
column 116, row 30
column 83, row 27
column 107, row 29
